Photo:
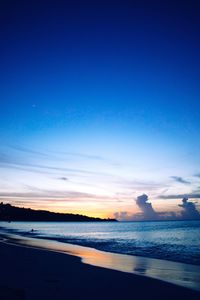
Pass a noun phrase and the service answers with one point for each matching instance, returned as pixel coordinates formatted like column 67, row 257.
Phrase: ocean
column 177, row 241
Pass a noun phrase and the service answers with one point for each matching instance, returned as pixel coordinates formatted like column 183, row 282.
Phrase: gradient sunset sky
column 100, row 103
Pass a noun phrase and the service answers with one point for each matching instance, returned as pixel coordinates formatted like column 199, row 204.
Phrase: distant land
column 13, row 213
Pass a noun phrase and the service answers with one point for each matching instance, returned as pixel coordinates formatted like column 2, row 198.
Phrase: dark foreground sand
column 27, row 273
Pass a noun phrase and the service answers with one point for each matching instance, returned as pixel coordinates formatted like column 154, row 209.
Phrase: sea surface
column 177, row 241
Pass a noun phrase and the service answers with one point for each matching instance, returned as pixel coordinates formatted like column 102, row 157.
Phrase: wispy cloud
column 55, row 195
column 180, row 180
column 196, row 190
column 31, row 192
column 197, row 175
column 179, row 196
column 15, row 161
column 27, row 150
column 139, row 184
column 4, row 158
column 87, row 157
column 61, row 155
column 28, row 166
column 45, row 194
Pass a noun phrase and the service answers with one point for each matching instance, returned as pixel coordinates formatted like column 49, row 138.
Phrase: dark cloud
column 180, row 179
column 146, row 208
column 189, row 210
column 148, row 213
column 63, row 178
column 121, row 216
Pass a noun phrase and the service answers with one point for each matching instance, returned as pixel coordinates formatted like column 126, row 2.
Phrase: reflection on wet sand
column 178, row 273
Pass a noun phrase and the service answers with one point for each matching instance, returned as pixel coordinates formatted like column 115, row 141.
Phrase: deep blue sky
column 105, row 87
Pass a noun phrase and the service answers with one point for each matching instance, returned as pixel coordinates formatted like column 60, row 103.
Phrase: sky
column 100, row 104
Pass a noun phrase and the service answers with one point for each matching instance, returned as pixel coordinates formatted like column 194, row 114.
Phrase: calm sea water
column 176, row 241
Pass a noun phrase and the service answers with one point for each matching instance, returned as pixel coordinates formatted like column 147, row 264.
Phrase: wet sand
column 27, row 273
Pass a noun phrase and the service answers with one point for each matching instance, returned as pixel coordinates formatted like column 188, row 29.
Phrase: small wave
column 173, row 241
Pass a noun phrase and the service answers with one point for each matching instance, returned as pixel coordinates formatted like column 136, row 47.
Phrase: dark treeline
column 13, row 213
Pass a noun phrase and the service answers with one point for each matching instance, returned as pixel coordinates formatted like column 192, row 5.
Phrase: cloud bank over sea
column 147, row 212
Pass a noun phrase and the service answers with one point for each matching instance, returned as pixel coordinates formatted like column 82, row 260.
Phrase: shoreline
column 28, row 273
column 179, row 274
column 152, row 241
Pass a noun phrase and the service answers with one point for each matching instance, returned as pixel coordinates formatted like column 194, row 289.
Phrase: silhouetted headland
column 13, row 213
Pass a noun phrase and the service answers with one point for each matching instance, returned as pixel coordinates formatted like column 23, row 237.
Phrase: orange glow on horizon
column 90, row 208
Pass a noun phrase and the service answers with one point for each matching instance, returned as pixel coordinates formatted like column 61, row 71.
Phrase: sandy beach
column 28, row 273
